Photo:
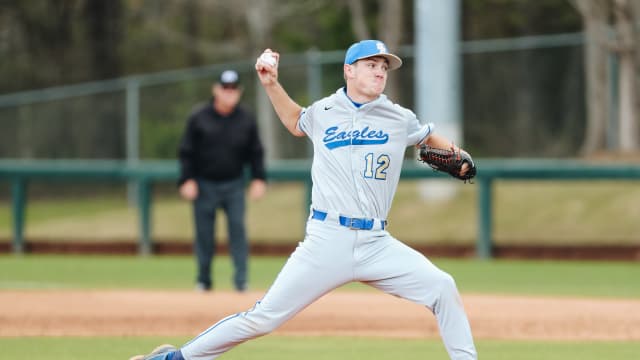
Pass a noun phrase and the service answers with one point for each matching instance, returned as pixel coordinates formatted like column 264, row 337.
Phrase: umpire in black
column 220, row 140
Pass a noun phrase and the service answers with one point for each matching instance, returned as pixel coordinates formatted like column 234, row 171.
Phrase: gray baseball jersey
column 358, row 155
column 363, row 150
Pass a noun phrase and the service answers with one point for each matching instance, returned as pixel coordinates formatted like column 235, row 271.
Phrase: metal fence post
column 484, row 244
column 314, row 74
column 612, row 134
column 18, row 195
column 314, row 82
column 145, row 247
column 132, row 132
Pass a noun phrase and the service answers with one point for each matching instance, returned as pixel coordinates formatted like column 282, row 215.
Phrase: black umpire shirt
column 217, row 147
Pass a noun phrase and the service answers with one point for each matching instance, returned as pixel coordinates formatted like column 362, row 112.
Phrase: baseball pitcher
column 359, row 140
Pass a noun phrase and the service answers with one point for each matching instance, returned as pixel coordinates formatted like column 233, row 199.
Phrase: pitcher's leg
column 397, row 269
column 315, row 268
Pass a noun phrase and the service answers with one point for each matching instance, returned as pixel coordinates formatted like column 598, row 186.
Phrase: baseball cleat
column 159, row 353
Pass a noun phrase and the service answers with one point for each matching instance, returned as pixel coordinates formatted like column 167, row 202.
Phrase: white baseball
column 268, row 59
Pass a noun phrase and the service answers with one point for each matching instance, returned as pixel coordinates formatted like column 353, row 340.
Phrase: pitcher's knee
column 266, row 327
column 262, row 324
column 447, row 284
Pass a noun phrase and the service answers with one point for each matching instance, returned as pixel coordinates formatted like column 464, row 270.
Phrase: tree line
column 48, row 43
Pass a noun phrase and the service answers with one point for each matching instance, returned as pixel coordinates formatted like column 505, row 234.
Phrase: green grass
column 591, row 212
column 568, row 278
column 598, row 279
column 275, row 347
column 113, row 272
column 601, row 279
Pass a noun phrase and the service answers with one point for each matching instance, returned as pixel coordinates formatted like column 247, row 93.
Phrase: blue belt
column 352, row 223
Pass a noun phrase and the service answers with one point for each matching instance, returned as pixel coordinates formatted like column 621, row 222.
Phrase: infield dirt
column 148, row 313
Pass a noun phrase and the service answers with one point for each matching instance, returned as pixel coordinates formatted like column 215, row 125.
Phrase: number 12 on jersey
column 378, row 169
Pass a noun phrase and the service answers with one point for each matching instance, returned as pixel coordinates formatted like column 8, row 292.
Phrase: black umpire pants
column 230, row 197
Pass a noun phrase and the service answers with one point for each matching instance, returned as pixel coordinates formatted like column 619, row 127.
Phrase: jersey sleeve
column 416, row 132
column 305, row 121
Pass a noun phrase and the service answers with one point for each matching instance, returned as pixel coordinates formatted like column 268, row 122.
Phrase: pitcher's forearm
column 288, row 110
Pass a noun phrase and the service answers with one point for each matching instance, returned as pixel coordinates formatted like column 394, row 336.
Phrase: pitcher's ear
column 348, row 71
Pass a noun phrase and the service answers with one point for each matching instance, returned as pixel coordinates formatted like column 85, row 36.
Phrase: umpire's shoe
column 162, row 352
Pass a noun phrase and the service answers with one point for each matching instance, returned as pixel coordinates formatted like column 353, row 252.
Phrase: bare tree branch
column 390, row 20
column 358, row 22
column 228, row 47
column 627, row 78
column 594, row 16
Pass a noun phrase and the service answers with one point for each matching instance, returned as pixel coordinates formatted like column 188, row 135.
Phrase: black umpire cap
column 229, row 78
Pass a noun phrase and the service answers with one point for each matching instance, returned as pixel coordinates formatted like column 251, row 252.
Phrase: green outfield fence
column 147, row 173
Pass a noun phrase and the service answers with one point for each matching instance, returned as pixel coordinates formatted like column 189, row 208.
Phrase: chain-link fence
column 517, row 101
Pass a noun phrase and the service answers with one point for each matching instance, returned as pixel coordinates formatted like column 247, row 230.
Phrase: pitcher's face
column 367, row 78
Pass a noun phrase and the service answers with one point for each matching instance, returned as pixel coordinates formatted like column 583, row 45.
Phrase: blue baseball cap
column 370, row 48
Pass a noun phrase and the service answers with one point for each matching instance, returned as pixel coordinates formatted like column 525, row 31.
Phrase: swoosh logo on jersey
column 334, row 138
column 328, row 107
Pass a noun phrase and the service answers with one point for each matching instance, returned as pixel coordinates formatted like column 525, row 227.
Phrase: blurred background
column 92, row 79
column 535, row 93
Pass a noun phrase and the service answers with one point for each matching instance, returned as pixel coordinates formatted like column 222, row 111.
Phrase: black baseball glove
column 448, row 161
